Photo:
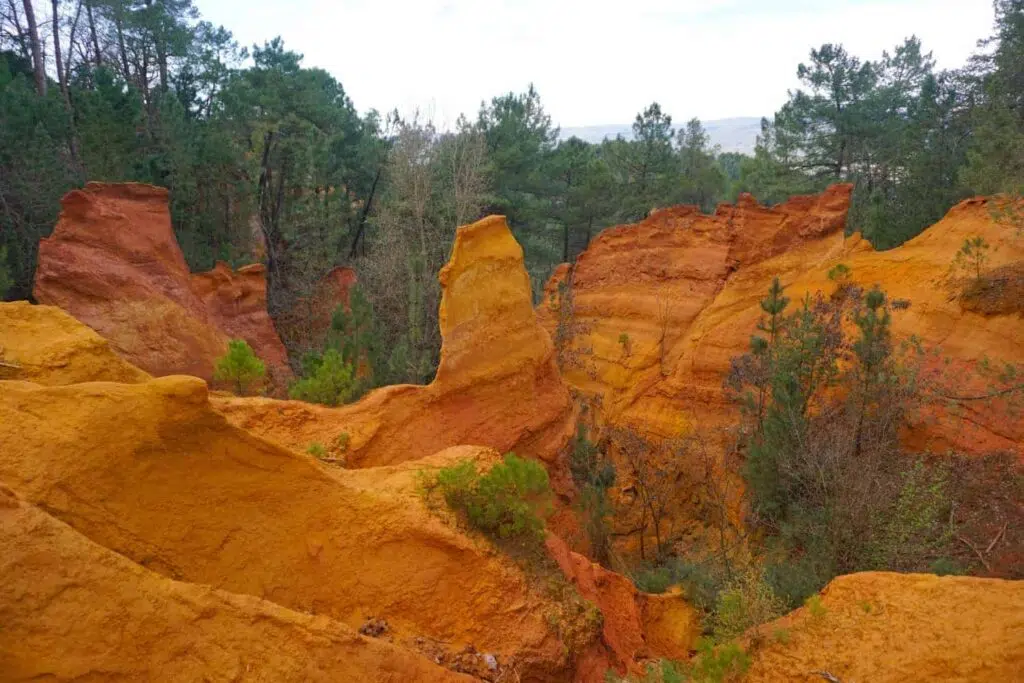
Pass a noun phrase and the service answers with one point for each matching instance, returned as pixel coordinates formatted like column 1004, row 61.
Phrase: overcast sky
column 593, row 61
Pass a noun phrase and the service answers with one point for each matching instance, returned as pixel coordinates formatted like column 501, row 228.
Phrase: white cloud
column 593, row 61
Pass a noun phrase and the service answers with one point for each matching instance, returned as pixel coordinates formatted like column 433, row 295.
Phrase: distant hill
column 737, row 134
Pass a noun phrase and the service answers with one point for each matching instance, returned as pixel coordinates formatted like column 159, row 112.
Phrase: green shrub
column 653, row 580
column 721, row 664
column 331, row 381
column 945, row 566
column 240, row 366
column 815, row 607
column 917, row 526
column 700, row 582
column 341, row 442
column 508, row 502
column 317, row 450
column 839, row 273
column 747, row 602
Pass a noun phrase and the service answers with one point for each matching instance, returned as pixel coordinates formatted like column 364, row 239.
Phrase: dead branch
column 996, row 539
column 976, row 552
column 827, row 676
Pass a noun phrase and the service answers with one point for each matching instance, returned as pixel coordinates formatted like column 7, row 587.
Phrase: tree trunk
column 119, row 26
column 65, row 94
column 19, row 31
column 57, row 58
column 71, row 45
column 38, row 67
column 92, row 34
column 364, row 215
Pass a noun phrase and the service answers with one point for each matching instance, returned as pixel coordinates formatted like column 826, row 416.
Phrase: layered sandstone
column 113, row 263
column 889, row 628
column 74, row 610
column 497, row 384
column 43, row 344
column 152, row 473
column 663, row 306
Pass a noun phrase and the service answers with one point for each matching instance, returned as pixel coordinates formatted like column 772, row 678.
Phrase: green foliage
column 5, row 274
column 341, row 442
column 701, row 582
column 972, row 256
column 355, row 334
column 839, row 273
column 746, row 602
column 815, row 607
column 240, row 367
column 918, row 526
column 593, row 475
column 329, row 381
column 510, row 501
column 317, row 450
column 722, row 664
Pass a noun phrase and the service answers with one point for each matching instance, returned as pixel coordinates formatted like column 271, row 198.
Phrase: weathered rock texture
column 113, row 263
column 48, row 346
column 635, row 626
column 890, row 628
column 151, row 472
column 497, row 384
column 667, row 303
column 73, row 610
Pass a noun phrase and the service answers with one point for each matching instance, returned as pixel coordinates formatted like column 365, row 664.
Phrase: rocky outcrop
column 663, row 306
column 635, row 626
column 889, row 628
column 152, row 473
column 43, row 344
column 73, row 610
column 497, row 384
column 236, row 302
column 113, row 263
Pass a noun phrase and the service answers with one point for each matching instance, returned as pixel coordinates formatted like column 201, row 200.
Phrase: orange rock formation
column 43, row 344
column 889, row 628
column 74, row 610
column 151, row 472
column 667, row 303
column 634, row 625
column 497, row 384
column 113, row 263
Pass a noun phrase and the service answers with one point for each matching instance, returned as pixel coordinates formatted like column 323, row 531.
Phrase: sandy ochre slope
column 73, row 610
column 43, row 344
column 880, row 627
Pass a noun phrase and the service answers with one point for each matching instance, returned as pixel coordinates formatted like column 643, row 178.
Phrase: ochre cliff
column 45, row 345
column 113, row 263
column 150, row 472
column 497, row 384
column 74, row 610
column 890, row 628
column 663, row 306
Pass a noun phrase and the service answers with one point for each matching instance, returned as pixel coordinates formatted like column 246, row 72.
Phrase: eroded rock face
column 885, row 627
column 113, row 263
column 635, row 626
column 45, row 345
column 74, row 610
column 152, row 473
column 665, row 305
column 497, row 384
